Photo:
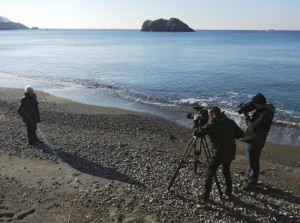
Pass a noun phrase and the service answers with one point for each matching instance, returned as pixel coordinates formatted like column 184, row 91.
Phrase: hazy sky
column 130, row 14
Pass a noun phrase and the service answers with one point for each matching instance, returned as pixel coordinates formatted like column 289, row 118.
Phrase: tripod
column 197, row 147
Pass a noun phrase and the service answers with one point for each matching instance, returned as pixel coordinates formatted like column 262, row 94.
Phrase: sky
column 130, row 14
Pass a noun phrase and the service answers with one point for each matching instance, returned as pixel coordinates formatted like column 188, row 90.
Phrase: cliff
column 162, row 25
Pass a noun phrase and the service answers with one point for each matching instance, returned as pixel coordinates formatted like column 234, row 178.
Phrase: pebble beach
column 100, row 164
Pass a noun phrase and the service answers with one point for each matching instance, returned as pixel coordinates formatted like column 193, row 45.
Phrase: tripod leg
column 182, row 161
column 195, row 164
column 197, row 153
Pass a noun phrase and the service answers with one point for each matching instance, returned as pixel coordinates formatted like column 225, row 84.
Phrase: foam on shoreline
column 92, row 93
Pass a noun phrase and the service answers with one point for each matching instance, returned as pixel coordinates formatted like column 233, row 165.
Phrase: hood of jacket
column 220, row 118
column 27, row 95
column 270, row 107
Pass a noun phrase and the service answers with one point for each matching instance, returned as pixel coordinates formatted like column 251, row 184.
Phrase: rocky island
column 163, row 25
column 6, row 24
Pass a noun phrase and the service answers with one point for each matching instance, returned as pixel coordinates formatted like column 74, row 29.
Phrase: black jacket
column 258, row 126
column 222, row 132
column 29, row 110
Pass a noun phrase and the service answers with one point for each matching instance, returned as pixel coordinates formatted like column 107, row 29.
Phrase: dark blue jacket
column 258, row 126
column 222, row 132
column 29, row 110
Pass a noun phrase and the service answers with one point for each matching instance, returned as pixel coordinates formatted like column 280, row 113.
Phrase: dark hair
column 259, row 99
column 216, row 110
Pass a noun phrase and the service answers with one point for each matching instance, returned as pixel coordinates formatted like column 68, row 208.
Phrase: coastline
column 179, row 89
column 105, row 99
column 116, row 163
column 17, row 94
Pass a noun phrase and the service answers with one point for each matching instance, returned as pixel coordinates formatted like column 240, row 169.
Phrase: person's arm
column 20, row 110
column 38, row 115
column 247, row 117
column 262, row 122
column 239, row 133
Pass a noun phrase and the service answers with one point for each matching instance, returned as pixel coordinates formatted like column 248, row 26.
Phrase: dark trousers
column 253, row 155
column 31, row 133
column 211, row 171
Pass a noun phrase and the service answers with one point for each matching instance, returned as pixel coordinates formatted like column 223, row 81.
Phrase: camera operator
column 222, row 132
column 258, row 126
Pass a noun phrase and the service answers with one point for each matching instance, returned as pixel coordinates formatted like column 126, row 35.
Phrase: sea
column 161, row 73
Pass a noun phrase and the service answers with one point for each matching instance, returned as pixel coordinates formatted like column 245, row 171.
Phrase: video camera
column 245, row 108
column 203, row 114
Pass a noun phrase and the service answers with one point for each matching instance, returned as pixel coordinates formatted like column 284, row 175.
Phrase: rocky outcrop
column 163, row 25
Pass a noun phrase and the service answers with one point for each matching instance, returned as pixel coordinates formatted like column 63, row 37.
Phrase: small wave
column 39, row 79
column 287, row 123
column 142, row 99
column 192, row 101
column 64, row 82
column 227, row 99
column 288, row 113
column 283, row 117
column 92, row 84
column 233, row 93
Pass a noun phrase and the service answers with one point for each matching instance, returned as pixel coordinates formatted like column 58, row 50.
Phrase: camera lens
column 190, row 115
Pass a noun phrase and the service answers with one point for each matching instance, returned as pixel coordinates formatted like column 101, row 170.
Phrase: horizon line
column 266, row 30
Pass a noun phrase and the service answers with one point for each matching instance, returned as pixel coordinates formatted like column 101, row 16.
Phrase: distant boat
column 270, row 30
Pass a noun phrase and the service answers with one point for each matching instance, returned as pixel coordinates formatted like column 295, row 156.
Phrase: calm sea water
column 161, row 73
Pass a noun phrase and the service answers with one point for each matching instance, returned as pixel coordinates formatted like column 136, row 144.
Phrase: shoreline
column 17, row 93
column 99, row 164
column 177, row 114
column 290, row 152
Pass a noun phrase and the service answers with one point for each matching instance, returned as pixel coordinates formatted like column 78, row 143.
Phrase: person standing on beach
column 29, row 111
column 258, row 126
column 222, row 132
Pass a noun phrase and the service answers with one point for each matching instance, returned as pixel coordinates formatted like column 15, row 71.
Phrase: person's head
column 214, row 112
column 259, row 100
column 28, row 90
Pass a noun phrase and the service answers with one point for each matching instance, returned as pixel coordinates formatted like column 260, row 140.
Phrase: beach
column 100, row 164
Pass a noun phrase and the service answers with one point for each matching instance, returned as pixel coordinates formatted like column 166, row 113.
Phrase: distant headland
column 163, row 25
column 6, row 24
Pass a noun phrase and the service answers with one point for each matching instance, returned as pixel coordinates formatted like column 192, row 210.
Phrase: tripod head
column 199, row 132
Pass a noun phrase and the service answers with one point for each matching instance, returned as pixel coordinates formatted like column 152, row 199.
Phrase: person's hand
column 246, row 116
column 210, row 113
column 196, row 117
